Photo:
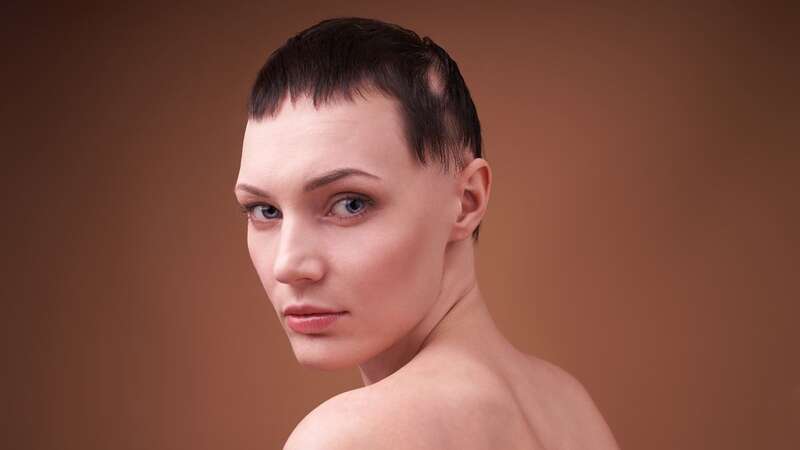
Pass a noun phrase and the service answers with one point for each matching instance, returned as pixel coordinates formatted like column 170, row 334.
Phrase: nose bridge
column 297, row 258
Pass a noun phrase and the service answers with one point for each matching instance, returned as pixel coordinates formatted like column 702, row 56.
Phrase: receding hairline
column 363, row 91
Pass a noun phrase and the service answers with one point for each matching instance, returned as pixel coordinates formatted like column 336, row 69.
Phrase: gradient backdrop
column 642, row 231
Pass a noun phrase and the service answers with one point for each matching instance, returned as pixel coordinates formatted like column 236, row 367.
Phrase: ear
column 474, row 186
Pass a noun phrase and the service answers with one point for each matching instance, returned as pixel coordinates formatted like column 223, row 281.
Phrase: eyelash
column 248, row 209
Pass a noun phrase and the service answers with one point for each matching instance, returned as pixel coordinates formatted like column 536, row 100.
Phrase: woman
column 364, row 186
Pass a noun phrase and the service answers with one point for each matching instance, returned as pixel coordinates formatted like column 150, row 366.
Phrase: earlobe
column 474, row 188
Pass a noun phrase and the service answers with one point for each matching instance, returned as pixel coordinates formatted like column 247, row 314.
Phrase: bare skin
column 437, row 372
column 466, row 387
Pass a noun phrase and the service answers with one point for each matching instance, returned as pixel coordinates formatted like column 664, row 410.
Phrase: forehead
column 301, row 140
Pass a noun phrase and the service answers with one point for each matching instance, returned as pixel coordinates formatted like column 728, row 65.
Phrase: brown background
column 642, row 231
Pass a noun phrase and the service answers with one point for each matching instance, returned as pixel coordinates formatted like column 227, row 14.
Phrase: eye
column 261, row 212
column 350, row 207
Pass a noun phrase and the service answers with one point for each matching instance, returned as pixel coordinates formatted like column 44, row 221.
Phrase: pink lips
column 308, row 319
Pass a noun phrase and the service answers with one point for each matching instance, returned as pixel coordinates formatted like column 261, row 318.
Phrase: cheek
column 260, row 251
column 395, row 274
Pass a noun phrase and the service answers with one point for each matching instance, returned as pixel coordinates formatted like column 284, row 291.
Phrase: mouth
column 307, row 310
column 312, row 323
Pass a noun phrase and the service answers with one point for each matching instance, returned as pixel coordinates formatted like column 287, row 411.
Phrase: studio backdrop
column 641, row 232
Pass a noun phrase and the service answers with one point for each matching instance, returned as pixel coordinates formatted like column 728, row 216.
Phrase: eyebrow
column 315, row 183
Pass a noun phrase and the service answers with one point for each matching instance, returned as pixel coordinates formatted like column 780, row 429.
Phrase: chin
column 321, row 353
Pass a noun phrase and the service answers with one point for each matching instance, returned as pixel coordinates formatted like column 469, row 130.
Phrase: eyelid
column 248, row 208
column 370, row 204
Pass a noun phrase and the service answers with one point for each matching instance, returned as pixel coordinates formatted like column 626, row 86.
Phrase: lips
column 304, row 310
column 309, row 319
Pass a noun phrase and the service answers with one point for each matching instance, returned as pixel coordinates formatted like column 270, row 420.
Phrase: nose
column 297, row 258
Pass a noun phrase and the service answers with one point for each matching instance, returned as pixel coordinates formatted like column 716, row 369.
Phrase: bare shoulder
column 363, row 418
column 465, row 407
column 406, row 415
column 571, row 416
column 332, row 425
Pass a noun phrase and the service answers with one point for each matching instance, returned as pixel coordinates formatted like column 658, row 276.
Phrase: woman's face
column 370, row 245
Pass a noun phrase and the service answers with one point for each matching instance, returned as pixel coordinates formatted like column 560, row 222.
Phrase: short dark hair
column 338, row 57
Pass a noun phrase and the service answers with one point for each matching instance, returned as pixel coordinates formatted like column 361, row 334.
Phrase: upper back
column 466, row 405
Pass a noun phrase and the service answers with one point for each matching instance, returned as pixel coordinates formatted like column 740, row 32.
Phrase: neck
column 458, row 315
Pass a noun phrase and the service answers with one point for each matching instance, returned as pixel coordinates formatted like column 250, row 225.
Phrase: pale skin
column 437, row 372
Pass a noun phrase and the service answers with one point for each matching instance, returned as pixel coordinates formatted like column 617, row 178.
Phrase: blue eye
column 345, row 208
column 267, row 211
column 259, row 212
column 352, row 206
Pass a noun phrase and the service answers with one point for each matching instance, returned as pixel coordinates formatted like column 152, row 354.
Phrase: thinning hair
column 340, row 57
